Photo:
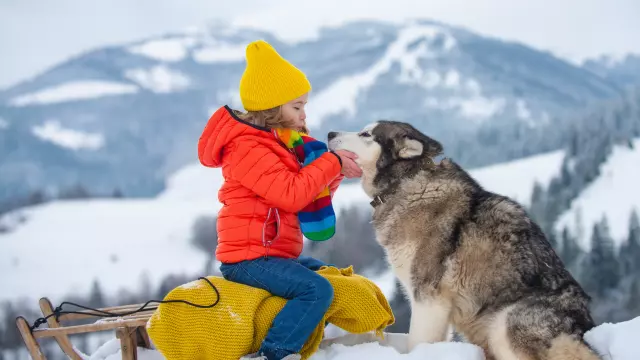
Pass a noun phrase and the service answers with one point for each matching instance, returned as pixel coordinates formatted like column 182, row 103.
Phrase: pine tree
column 630, row 249
column 574, row 144
column 117, row 193
column 96, row 297
column 146, row 291
column 633, row 304
column 570, row 251
column 538, row 206
column 11, row 337
column 36, row 197
column 205, row 238
column 77, row 191
column 601, row 271
column 2, row 344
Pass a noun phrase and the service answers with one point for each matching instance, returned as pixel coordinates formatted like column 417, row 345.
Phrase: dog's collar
column 377, row 201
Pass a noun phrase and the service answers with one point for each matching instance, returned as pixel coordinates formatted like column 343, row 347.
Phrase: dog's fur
column 466, row 257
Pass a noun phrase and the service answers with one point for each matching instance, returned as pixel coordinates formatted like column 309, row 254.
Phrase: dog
column 466, row 257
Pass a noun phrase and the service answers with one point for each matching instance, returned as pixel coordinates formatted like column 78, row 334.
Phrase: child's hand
column 349, row 167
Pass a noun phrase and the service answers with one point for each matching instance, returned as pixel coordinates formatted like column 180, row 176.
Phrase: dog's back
column 528, row 304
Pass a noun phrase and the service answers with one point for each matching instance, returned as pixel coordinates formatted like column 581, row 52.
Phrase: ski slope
column 121, row 241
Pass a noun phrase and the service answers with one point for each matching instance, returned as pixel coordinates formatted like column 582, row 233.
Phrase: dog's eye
column 365, row 134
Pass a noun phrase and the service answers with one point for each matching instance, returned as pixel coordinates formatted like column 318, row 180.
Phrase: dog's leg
column 500, row 344
column 429, row 321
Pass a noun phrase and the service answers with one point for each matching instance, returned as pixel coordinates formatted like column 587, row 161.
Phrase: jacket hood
column 223, row 127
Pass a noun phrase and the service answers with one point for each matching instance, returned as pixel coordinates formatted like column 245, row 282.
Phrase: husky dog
column 466, row 257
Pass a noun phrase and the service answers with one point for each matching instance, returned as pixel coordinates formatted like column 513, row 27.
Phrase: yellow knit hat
column 269, row 80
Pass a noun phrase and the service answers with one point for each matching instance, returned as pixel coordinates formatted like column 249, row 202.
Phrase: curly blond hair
column 270, row 118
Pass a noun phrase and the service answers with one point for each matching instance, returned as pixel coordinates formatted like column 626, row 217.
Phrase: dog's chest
column 400, row 249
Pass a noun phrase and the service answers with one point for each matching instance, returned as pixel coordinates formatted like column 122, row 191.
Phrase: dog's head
column 386, row 149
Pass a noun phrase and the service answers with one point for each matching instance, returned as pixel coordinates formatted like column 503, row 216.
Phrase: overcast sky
column 35, row 34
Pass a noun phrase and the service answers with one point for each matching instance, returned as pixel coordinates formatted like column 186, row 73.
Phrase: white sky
column 35, row 34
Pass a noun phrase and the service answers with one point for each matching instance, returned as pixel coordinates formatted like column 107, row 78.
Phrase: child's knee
column 324, row 291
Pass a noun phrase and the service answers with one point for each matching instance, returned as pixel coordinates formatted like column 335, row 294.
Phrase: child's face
column 293, row 113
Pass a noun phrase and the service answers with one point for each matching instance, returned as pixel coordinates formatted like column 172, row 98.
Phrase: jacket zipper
column 267, row 243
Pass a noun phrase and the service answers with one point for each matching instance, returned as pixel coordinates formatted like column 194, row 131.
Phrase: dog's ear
column 409, row 148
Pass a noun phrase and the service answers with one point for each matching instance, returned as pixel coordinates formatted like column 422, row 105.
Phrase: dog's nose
column 332, row 135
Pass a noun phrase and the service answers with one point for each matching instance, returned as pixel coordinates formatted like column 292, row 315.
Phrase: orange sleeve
column 259, row 169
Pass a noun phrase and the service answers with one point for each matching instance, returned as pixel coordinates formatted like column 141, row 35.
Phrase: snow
column 614, row 193
column 159, row 79
column 166, row 50
column 611, row 341
column 479, row 107
column 4, row 124
column 230, row 97
column 522, row 110
column 473, row 86
column 74, row 91
column 111, row 351
column 452, row 79
column 219, row 52
column 341, row 96
column 610, row 61
column 113, row 240
column 375, row 351
column 516, row 179
column 616, row 341
column 475, row 107
column 52, row 131
column 119, row 240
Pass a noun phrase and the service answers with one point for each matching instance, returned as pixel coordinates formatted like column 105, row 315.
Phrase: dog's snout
column 332, row 135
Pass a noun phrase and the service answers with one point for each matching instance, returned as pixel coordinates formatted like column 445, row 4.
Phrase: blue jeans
column 309, row 296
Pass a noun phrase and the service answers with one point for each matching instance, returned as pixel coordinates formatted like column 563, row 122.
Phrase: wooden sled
column 132, row 333
column 130, row 330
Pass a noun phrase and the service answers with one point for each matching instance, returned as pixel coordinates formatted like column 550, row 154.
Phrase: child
column 265, row 188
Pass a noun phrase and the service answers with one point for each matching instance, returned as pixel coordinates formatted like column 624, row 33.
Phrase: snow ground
column 612, row 341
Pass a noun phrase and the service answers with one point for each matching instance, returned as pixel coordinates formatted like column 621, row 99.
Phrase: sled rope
column 101, row 313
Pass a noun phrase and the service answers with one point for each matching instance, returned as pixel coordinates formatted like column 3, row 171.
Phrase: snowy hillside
column 119, row 240
column 615, row 193
column 128, row 116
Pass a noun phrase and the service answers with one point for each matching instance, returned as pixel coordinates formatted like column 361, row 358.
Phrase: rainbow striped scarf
column 317, row 220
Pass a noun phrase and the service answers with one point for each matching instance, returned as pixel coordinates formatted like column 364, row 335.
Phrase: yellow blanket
column 238, row 323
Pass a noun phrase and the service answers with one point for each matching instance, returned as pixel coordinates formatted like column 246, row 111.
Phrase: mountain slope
column 624, row 71
column 614, row 193
column 116, row 241
column 128, row 116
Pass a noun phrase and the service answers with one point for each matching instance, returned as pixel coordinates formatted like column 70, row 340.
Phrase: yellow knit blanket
column 239, row 322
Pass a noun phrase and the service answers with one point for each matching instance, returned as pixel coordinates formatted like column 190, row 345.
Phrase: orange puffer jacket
column 264, row 188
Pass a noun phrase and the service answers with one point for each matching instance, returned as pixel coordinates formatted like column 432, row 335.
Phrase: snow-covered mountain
column 118, row 241
column 128, row 116
column 622, row 70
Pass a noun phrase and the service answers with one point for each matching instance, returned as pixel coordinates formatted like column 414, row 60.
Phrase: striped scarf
column 317, row 220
